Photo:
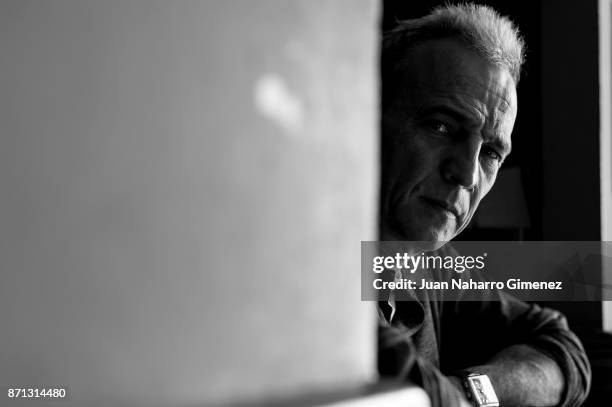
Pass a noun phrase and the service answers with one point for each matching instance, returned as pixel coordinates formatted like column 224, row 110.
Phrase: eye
column 439, row 127
column 491, row 154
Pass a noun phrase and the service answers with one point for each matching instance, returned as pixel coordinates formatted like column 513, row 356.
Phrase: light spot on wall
column 275, row 101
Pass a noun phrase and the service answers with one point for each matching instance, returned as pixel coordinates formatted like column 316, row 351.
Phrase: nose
column 461, row 166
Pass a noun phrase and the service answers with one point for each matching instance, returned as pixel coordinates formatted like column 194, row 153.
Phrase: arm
column 528, row 352
column 538, row 377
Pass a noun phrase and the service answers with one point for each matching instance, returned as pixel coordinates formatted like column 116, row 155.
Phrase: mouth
column 449, row 209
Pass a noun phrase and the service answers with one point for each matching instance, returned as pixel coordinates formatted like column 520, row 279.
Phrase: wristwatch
column 479, row 390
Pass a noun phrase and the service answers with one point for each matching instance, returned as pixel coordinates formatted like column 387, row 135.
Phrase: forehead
column 447, row 72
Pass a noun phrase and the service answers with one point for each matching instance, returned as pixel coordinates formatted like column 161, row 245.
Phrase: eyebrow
column 460, row 117
column 448, row 111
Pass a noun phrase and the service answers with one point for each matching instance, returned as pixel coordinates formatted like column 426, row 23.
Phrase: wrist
column 458, row 384
column 478, row 389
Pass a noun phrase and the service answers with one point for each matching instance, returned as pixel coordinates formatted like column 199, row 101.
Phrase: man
column 449, row 106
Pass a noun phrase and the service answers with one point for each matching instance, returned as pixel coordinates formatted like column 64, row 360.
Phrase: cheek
column 413, row 164
column 411, row 158
column 419, row 153
column 488, row 179
column 402, row 172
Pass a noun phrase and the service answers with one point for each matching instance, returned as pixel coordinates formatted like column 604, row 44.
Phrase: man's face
column 445, row 137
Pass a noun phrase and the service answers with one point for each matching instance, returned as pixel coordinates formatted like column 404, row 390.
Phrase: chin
column 427, row 233
column 431, row 233
column 429, row 240
column 429, row 245
column 422, row 245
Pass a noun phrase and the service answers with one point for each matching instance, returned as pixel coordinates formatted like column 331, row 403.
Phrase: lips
column 442, row 205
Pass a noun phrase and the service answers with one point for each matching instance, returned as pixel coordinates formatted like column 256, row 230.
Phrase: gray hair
column 490, row 35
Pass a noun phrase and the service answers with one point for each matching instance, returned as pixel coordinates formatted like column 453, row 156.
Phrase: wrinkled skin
column 445, row 137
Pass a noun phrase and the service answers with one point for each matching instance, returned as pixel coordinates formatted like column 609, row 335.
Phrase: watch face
column 482, row 391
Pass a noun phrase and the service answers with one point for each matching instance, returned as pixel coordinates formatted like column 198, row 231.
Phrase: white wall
column 185, row 185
